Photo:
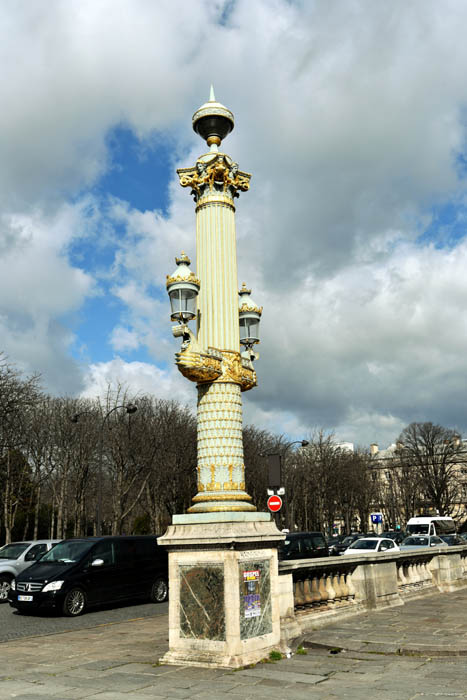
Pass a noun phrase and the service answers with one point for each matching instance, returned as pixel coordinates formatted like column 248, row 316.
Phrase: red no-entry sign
column 274, row 503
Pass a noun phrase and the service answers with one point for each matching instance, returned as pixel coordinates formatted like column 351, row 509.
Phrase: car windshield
column 417, row 541
column 67, row 552
column 348, row 540
column 364, row 544
column 419, row 528
column 13, row 550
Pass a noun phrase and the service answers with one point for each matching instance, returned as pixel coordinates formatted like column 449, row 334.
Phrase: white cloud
column 379, row 340
column 141, row 378
column 351, row 117
column 38, row 288
column 123, row 340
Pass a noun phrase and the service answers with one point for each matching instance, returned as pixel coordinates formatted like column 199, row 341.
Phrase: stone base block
column 224, row 592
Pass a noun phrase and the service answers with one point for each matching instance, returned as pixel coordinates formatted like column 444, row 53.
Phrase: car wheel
column 74, row 603
column 159, row 591
column 5, row 585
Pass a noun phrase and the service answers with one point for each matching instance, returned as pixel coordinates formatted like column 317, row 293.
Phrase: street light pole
column 222, row 552
column 130, row 408
column 275, row 470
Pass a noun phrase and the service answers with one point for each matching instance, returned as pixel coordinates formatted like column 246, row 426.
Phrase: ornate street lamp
column 211, row 356
column 222, row 552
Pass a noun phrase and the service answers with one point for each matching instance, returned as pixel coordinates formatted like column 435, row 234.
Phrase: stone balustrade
column 313, row 591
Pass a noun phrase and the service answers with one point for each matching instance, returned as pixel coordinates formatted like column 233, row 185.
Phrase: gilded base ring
column 216, row 496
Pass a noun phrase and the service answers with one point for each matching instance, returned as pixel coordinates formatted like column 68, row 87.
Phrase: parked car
column 463, row 535
column 17, row 556
column 372, row 545
column 431, row 525
column 303, row 545
column 346, row 542
column 80, row 573
column 397, row 535
column 333, row 541
column 419, row 541
column 453, row 540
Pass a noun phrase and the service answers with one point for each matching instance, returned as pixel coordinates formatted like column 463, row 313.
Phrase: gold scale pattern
column 220, row 443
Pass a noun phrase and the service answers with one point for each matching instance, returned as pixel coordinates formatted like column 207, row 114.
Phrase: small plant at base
column 301, row 650
column 275, row 655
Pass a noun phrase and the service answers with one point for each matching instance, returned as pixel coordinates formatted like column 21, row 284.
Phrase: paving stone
column 116, row 662
column 112, row 695
column 102, row 665
column 221, row 686
column 166, row 690
column 7, row 688
column 26, row 696
column 290, row 677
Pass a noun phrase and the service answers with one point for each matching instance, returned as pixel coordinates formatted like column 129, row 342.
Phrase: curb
column 387, row 649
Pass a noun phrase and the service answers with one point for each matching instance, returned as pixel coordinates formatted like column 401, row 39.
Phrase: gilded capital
column 214, row 173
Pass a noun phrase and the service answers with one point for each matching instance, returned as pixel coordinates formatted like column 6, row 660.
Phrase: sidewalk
column 407, row 653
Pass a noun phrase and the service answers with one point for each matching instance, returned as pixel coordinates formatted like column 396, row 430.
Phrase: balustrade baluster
column 315, row 592
column 344, row 587
column 322, row 590
column 330, row 590
column 307, row 592
column 401, row 580
column 426, row 576
column 413, row 574
column 336, row 586
column 299, row 598
column 350, row 586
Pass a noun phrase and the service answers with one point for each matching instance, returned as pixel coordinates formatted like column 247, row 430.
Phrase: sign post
column 274, row 503
column 376, row 519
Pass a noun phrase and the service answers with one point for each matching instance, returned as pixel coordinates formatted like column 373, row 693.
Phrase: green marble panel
column 255, row 598
column 202, row 614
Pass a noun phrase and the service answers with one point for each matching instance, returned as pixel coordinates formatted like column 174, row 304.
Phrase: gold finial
column 183, row 259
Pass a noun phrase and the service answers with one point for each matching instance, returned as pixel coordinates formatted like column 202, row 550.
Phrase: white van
column 436, row 525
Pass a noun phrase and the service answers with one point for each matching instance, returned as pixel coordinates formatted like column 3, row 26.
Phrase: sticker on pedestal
column 255, row 598
column 251, row 594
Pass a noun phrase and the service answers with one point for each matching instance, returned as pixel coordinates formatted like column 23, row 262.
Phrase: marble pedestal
column 224, row 589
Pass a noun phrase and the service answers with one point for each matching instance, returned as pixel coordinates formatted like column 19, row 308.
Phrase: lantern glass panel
column 183, row 304
column 249, row 330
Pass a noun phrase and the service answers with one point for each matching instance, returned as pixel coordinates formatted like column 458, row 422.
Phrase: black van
column 303, row 545
column 79, row 573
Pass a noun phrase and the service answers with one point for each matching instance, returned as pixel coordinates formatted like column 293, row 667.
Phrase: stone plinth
column 224, row 589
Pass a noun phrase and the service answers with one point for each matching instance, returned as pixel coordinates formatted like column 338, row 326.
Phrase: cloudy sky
column 350, row 115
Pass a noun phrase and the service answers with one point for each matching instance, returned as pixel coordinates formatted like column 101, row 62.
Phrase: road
column 14, row 626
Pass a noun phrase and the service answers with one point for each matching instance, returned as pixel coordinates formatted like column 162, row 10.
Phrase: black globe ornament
column 212, row 121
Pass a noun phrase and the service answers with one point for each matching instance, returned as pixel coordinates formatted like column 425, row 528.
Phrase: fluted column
column 213, row 360
column 216, row 251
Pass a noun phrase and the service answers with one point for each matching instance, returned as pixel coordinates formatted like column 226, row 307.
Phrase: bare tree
column 170, row 454
column 18, row 395
column 435, row 452
column 256, row 444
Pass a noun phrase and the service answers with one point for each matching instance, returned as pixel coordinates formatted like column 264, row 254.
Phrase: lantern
column 249, row 318
column 182, row 288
